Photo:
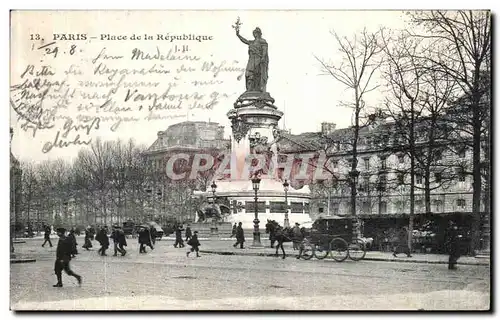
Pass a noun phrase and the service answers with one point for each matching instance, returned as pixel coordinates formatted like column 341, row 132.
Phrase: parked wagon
column 333, row 235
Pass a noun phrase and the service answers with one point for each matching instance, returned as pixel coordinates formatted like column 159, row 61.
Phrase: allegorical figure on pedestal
column 258, row 60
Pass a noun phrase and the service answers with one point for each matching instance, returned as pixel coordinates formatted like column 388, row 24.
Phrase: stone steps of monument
column 224, row 230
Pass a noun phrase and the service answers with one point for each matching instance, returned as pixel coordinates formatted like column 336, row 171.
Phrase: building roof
column 190, row 135
column 307, row 141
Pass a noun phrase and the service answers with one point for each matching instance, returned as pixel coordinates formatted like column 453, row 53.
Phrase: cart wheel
column 307, row 252
column 339, row 249
column 357, row 249
column 321, row 251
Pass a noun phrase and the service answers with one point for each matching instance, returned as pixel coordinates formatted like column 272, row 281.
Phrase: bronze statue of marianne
column 258, row 61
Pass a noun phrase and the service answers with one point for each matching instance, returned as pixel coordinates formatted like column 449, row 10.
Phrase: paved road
column 166, row 279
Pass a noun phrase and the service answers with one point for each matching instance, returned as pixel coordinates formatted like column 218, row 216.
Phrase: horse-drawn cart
column 333, row 235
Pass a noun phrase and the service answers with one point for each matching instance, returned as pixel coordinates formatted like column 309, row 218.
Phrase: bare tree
column 404, row 75
column 361, row 60
column 462, row 41
column 29, row 188
column 135, row 174
column 96, row 163
column 433, row 132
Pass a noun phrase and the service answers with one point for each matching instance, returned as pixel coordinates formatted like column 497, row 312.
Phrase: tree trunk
column 104, row 211
column 427, row 190
column 412, row 178
column 476, row 164
column 354, row 164
column 486, row 226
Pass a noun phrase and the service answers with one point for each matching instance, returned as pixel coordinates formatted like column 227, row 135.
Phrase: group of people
column 239, row 234
column 453, row 244
column 67, row 245
column 191, row 239
column 179, row 242
column 71, row 238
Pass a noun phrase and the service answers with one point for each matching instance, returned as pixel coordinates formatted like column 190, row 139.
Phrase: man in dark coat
column 144, row 239
column 88, row 236
column 194, row 243
column 92, row 233
column 240, row 236
column 47, row 236
column 402, row 245
column 189, row 234
column 102, row 238
column 63, row 257
column 72, row 238
column 453, row 243
column 152, row 234
column 178, row 237
column 119, row 240
column 233, row 232
column 296, row 236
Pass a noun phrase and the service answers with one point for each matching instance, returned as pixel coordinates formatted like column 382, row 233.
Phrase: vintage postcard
column 250, row 160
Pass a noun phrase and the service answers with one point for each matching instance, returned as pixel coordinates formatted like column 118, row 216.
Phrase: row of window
column 438, row 177
column 382, row 206
column 370, row 143
column 278, row 207
column 401, row 159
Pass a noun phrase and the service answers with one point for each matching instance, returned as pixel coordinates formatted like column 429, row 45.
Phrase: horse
column 280, row 234
column 271, row 236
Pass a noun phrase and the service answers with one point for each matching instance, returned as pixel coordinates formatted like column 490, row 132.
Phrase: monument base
column 211, row 230
column 255, row 98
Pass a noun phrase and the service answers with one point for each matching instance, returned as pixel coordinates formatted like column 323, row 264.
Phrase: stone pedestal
column 254, row 123
column 208, row 230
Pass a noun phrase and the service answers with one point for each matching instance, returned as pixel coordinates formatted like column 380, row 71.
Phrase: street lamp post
column 256, row 232
column 285, row 187
column 214, row 188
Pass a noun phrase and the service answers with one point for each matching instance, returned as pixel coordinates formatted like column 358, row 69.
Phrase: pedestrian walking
column 240, row 236
column 144, row 239
column 119, row 241
column 233, row 232
column 47, row 236
column 63, row 257
column 88, row 236
column 153, row 234
column 189, row 234
column 402, row 245
column 178, row 237
column 297, row 236
column 72, row 238
column 102, row 238
column 195, row 244
column 453, row 238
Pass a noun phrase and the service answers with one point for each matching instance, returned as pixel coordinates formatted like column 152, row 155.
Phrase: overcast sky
column 294, row 37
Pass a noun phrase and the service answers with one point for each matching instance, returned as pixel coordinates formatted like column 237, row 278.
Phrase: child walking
column 194, row 243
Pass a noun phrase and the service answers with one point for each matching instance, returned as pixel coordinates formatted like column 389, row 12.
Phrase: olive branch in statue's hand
column 237, row 25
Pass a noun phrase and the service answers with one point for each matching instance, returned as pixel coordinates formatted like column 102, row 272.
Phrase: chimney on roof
column 327, row 127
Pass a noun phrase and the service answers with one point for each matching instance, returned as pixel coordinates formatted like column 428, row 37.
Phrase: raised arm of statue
column 245, row 41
